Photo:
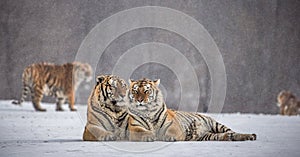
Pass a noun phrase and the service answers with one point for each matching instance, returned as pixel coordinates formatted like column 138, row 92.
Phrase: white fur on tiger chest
column 52, row 92
column 285, row 108
column 46, row 90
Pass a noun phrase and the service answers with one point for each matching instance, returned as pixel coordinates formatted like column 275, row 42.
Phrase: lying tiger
column 107, row 114
column 288, row 104
column 60, row 81
column 151, row 120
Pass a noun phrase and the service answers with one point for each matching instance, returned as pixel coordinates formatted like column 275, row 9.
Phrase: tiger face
column 287, row 103
column 144, row 96
column 113, row 89
column 284, row 97
column 83, row 71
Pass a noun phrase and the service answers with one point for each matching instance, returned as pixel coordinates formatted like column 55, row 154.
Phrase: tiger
column 288, row 104
column 107, row 115
column 151, row 120
column 59, row 81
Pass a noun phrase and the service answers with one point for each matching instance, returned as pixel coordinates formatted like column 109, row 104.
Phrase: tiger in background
column 60, row 81
column 288, row 103
column 150, row 119
column 107, row 114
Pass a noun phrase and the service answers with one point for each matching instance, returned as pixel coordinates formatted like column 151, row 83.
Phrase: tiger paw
column 108, row 138
column 243, row 137
column 169, row 139
column 147, row 139
column 59, row 109
column 252, row 137
column 73, row 109
column 41, row 110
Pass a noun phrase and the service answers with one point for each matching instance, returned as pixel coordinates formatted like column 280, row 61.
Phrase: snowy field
column 25, row 132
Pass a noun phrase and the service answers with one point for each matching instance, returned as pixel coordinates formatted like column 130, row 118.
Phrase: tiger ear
column 130, row 81
column 157, row 82
column 87, row 66
column 100, row 79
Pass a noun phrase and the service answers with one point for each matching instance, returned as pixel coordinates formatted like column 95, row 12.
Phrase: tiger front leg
column 140, row 130
column 71, row 98
column 171, row 133
column 95, row 133
column 141, row 134
column 282, row 110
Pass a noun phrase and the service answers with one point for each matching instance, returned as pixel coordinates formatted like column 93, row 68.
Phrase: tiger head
column 144, row 96
column 82, row 71
column 112, row 90
column 285, row 98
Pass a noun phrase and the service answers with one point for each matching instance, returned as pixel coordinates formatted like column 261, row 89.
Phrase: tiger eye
column 134, row 92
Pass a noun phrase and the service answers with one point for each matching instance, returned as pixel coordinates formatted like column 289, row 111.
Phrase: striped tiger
column 288, row 103
column 60, row 81
column 151, row 120
column 107, row 114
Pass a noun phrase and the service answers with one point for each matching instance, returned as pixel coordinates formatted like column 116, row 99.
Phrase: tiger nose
column 140, row 100
column 122, row 94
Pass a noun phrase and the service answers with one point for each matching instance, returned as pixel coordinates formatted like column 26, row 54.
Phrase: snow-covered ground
column 25, row 132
